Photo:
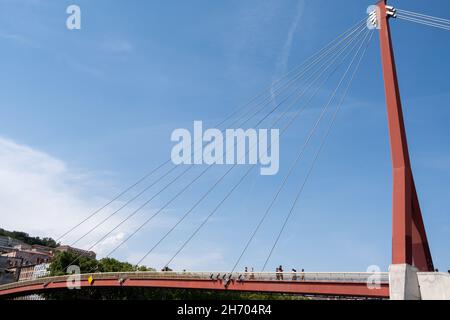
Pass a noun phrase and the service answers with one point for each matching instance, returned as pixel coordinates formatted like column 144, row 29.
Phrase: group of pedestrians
column 252, row 273
column 279, row 272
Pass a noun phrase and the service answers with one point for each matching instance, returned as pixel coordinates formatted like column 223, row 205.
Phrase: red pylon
column 409, row 238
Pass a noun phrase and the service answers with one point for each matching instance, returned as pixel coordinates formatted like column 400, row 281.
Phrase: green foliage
column 25, row 237
column 113, row 265
column 62, row 260
column 144, row 268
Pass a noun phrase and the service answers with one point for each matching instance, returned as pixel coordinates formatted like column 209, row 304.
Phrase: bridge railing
column 343, row 277
column 360, row 277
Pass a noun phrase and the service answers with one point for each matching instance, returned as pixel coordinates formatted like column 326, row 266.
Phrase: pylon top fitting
column 391, row 11
column 373, row 18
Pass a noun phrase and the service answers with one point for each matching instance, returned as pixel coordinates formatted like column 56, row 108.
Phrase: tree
column 63, row 260
column 113, row 265
column 25, row 237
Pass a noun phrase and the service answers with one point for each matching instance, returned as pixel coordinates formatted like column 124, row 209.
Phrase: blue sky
column 85, row 113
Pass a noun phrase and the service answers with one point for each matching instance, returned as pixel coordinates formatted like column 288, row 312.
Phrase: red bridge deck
column 326, row 284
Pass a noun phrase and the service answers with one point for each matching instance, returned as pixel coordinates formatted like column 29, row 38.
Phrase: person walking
column 294, row 275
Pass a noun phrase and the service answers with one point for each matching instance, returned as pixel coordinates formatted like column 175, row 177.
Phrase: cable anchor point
column 373, row 19
column 391, row 11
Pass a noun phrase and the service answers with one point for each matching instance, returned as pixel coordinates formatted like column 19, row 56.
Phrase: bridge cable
column 211, row 189
column 176, row 196
column 169, row 184
column 423, row 22
column 423, row 16
column 423, row 19
column 123, row 221
column 324, row 56
column 217, row 207
column 192, row 208
column 283, row 184
column 271, row 88
column 181, row 174
column 318, row 151
column 184, row 172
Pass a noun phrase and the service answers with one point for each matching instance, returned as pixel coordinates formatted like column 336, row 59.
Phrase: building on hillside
column 21, row 258
column 34, row 271
column 4, row 241
column 5, row 249
column 26, row 273
column 6, row 276
column 3, row 263
column 23, row 247
column 7, row 243
column 42, row 249
column 41, row 270
column 80, row 252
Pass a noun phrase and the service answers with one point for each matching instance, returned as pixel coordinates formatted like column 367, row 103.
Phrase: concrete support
column 434, row 285
column 403, row 282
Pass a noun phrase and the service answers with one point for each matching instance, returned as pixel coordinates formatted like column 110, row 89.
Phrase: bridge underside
column 302, row 288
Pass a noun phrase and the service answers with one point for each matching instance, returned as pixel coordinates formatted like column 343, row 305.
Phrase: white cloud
column 41, row 195
column 283, row 59
column 44, row 196
column 19, row 39
column 110, row 243
column 75, row 64
column 117, row 46
column 285, row 53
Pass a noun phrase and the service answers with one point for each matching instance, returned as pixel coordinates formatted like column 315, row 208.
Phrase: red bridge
column 410, row 248
column 374, row 285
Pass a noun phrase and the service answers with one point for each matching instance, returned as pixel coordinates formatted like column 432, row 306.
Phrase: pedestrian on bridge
column 252, row 274
column 294, row 275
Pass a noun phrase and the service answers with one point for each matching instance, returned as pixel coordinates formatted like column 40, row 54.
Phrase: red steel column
column 420, row 249
column 402, row 199
column 405, row 202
